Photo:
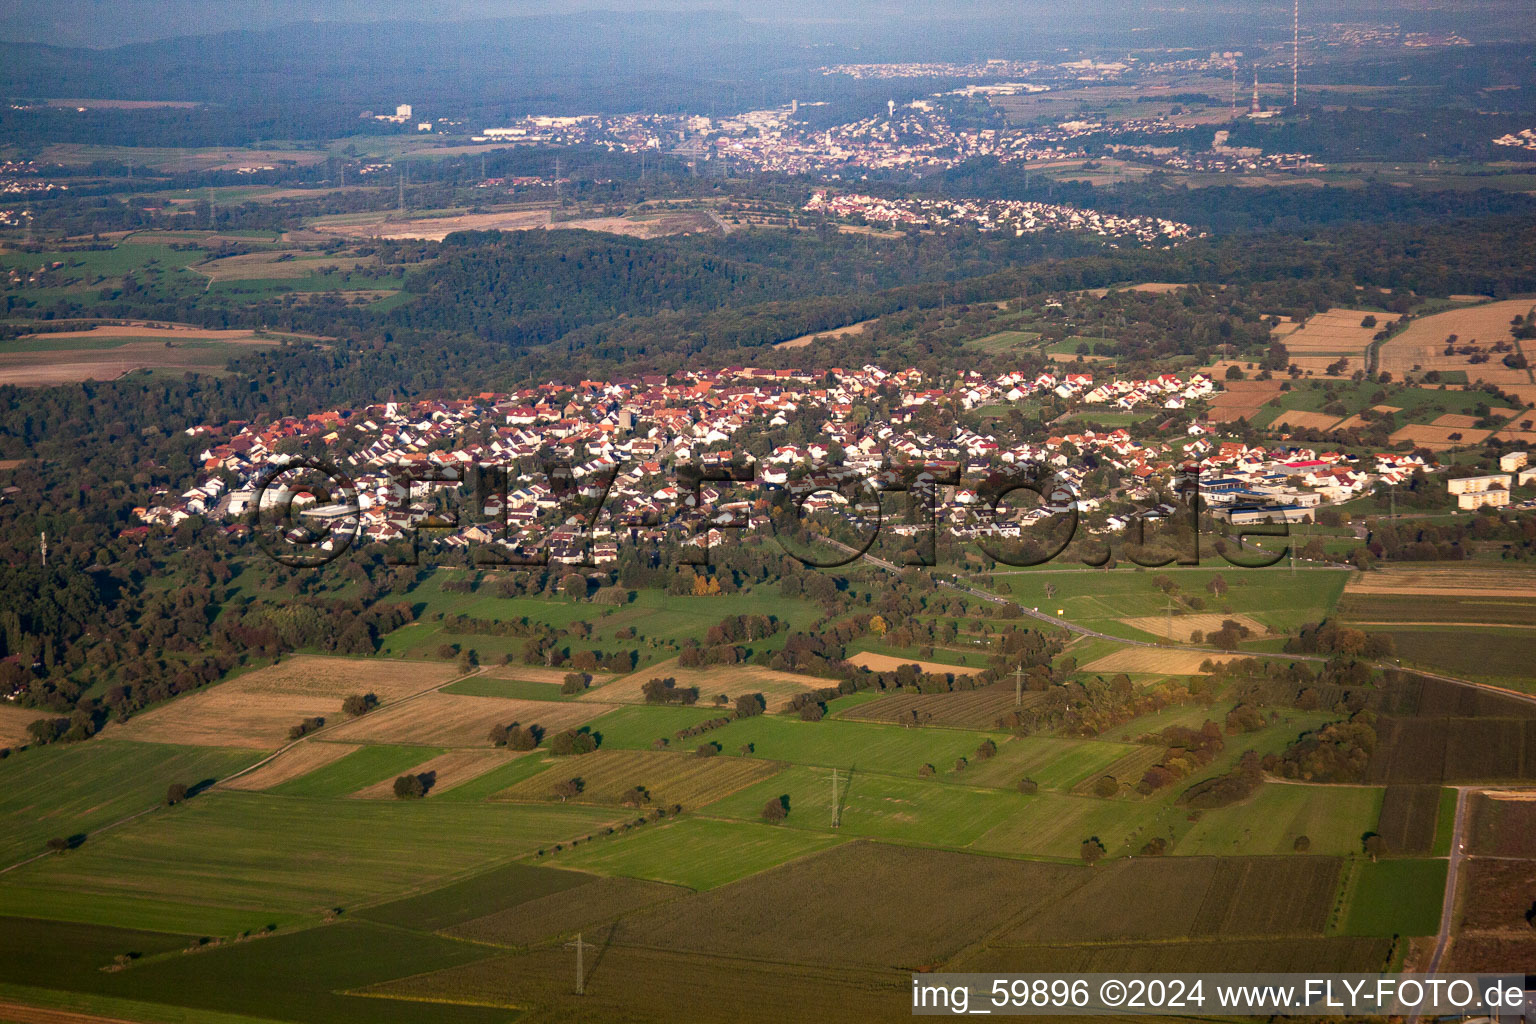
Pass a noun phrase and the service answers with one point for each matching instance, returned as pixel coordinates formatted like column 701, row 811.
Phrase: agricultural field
column 1503, row 825
column 695, row 852
column 198, row 987
column 490, row 685
column 1325, row 338
column 956, row 901
column 853, row 745
column 1004, row 342
column 667, row 778
column 289, row 764
column 1427, row 750
column 638, row 726
column 877, row 806
column 13, row 724
column 107, row 353
column 257, row 709
column 1169, row 661
column 1333, row 818
column 889, row 662
column 1395, row 897
column 1128, row 603
column 1494, row 896
column 267, row 857
column 648, row 985
column 1420, row 347
column 1473, row 621
column 1242, row 399
column 73, row 790
column 1294, row 954
column 592, row 902
column 662, row 622
column 966, row 709
column 443, row 773
column 1171, row 898
column 1052, row 763
column 731, row 680
column 1409, row 819
column 458, row 720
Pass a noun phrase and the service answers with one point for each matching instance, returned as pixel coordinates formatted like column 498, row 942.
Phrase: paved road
column 1458, row 850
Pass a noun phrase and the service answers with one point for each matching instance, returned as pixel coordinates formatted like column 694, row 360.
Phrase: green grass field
column 269, row 855
column 660, row 619
column 1332, row 817
column 1053, row 763
column 843, row 744
column 1396, row 897
column 1100, row 600
column 695, row 853
column 362, row 767
column 521, row 689
column 61, row 791
column 878, row 806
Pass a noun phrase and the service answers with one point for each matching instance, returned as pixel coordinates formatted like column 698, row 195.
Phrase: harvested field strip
column 594, row 902
column 299, row 759
column 890, row 663
column 1184, row 626
column 447, row 771
column 667, row 778
column 731, row 680
column 14, row 722
column 362, row 767
column 257, row 709
column 1506, row 582
column 459, row 720
column 1172, row 662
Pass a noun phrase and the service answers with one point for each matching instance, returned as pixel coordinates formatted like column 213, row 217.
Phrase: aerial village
column 625, row 442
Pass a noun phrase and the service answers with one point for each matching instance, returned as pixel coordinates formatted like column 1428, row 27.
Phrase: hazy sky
column 112, row 22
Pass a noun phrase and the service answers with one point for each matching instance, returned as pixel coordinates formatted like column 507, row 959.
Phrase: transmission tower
column 837, row 815
column 581, row 976
column 1295, row 47
column 1018, row 686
